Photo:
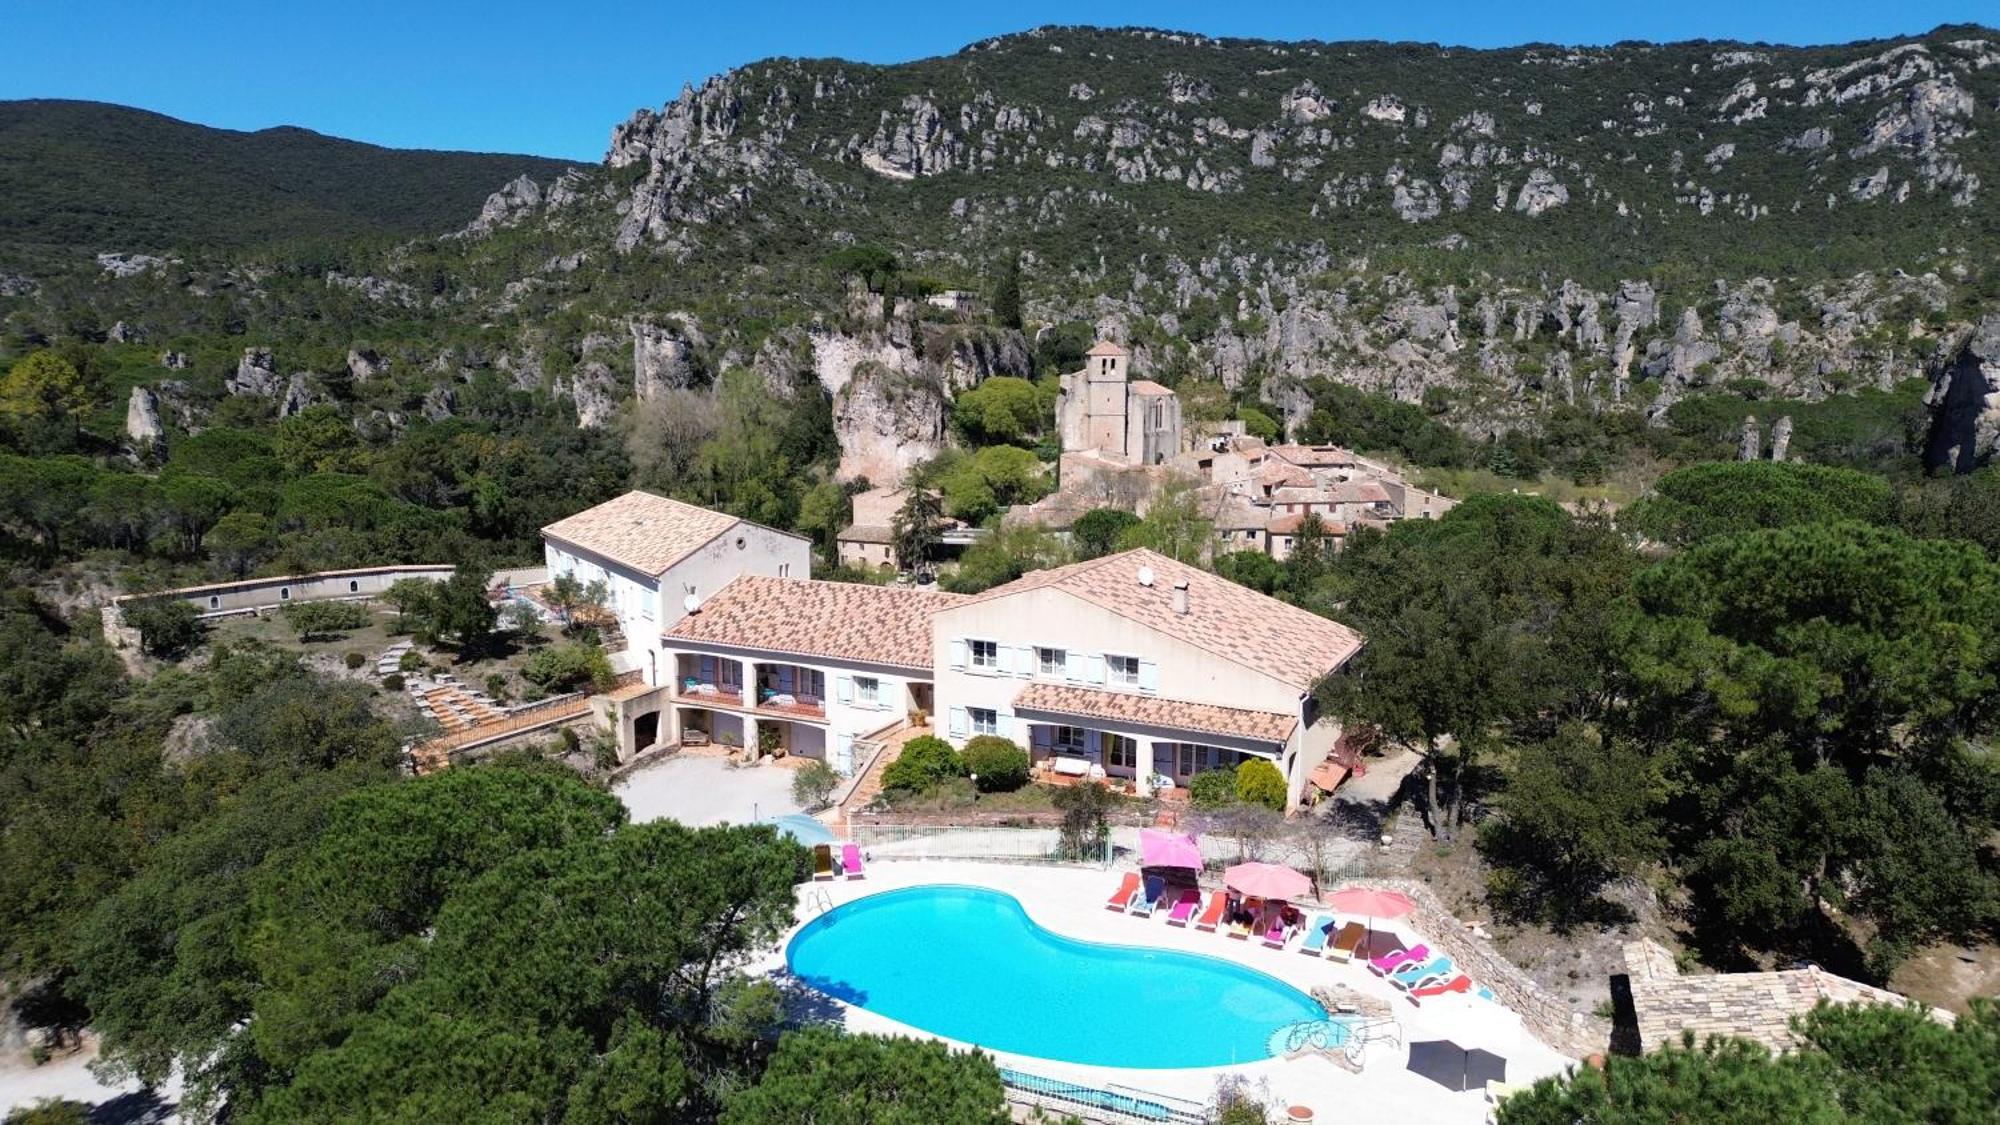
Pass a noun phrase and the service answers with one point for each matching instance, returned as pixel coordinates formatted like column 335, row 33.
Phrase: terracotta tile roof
column 1224, row 619
column 804, row 617
column 1152, row 711
column 1282, row 473
column 1315, row 456
column 1147, row 387
column 1288, row 525
column 1106, row 347
column 862, row 533
column 640, row 530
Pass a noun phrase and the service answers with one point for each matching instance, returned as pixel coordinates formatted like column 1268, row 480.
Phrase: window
column 214, row 602
column 868, row 691
column 1122, row 670
column 985, row 720
column 741, row 542
column 1121, row 752
column 985, row 654
column 1066, row 740
column 784, row 570
column 353, row 587
column 1052, row 661
column 284, row 593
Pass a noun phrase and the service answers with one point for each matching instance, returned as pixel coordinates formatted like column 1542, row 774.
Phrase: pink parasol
column 1267, row 880
column 1160, row 848
column 1371, row 902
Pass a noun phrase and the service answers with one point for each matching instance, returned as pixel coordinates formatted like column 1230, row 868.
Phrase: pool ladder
column 818, row 901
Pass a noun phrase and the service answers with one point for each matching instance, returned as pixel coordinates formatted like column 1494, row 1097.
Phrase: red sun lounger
column 1212, row 917
column 1439, row 986
column 1123, row 894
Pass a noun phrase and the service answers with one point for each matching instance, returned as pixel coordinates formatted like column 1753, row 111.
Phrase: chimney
column 1180, row 597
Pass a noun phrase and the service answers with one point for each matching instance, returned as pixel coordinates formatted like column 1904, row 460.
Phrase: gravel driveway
column 699, row 791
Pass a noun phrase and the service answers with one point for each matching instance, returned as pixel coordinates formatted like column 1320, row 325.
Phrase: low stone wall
column 254, row 595
column 1551, row 1019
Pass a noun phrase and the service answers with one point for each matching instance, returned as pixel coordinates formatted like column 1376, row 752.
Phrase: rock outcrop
column 298, row 395
column 364, row 365
column 142, row 420
column 888, row 422
column 1964, row 400
column 662, row 360
column 256, row 374
column 594, row 390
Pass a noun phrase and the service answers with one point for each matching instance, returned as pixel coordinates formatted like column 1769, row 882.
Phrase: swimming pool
column 969, row 964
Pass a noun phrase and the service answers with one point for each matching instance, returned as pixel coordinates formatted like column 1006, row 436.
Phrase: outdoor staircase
column 870, row 785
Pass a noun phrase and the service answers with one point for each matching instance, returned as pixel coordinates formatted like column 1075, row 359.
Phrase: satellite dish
column 1145, row 576
column 691, row 603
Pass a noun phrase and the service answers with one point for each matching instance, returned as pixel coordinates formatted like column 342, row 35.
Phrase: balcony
column 791, row 691
column 793, row 705
column 691, row 690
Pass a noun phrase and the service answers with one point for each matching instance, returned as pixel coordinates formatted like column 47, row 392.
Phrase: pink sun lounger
column 1184, row 909
column 850, row 861
column 1389, row 962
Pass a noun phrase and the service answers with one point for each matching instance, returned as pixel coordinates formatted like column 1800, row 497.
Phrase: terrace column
column 749, row 738
column 1142, row 768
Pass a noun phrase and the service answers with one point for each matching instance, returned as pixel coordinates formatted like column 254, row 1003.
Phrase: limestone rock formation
column 174, row 361
column 888, row 422
column 662, row 360
column 142, row 419
column 256, row 374
column 440, row 402
column 1964, row 400
column 593, row 388
column 363, row 365
column 298, row 396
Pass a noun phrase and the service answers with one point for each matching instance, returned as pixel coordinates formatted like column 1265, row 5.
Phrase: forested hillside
column 89, row 177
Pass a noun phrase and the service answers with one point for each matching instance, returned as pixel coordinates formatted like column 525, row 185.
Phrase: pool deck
column 1070, row 901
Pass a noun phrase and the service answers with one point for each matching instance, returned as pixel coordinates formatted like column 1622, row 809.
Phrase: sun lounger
column 850, row 861
column 1315, row 942
column 1122, row 897
column 822, row 862
column 1275, row 935
column 1184, row 909
column 1389, row 962
column 1148, row 897
column 1416, row 975
column 1437, row 986
column 1212, row 917
column 1347, row 941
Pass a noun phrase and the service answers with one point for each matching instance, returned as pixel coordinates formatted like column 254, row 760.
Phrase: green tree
column 43, row 386
column 1176, row 525
column 1086, row 819
column 1700, row 502
column 1006, row 553
column 1007, row 293
column 1003, row 409
column 240, row 541
column 1255, row 569
column 461, row 610
column 1098, row 532
column 1854, row 1063
column 413, row 599
column 979, row 484
column 1577, row 810
column 167, row 627
column 918, row 529
column 318, row 440
column 821, row 1076
column 824, row 512
column 813, row 784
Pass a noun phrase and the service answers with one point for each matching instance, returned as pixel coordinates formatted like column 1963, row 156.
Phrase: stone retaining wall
column 1550, row 1019
column 251, row 595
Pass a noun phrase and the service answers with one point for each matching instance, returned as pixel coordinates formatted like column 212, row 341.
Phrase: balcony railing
column 782, row 703
column 702, row 691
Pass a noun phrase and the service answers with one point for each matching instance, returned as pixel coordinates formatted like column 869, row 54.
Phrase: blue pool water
column 968, row 964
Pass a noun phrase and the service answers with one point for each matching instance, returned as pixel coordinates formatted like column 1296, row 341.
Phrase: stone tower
column 1093, row 401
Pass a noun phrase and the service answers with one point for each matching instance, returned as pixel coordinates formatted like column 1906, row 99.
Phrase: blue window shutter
column 1094, row 672
column 843, row 753
column 1073, row 667
column 1149, row 676
column 1093, row 744
column 958, row 654
column 956, row 727
column 843, row 688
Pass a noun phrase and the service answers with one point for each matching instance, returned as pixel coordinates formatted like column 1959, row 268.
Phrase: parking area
column 699, row 790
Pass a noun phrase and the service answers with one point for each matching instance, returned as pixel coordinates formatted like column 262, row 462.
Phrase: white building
column 801, row 667
column 1141, row 667
column 655, row 555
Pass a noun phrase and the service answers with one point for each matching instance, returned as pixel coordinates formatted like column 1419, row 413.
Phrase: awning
column 1328, row 775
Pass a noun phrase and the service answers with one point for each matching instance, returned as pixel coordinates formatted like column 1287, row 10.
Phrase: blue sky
column 553, row 77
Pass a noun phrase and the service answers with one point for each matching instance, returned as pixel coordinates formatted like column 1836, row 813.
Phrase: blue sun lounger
column 1316, row 935
column 1417, row 974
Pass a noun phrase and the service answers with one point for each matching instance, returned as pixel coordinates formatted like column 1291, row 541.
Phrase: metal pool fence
column 973, row 843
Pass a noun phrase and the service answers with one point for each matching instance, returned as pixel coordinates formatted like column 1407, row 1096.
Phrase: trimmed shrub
column 999, row 765
column 1212, row 789
column 925, row 762
column 325, row 619
column 392, row 682
column 354, row 661
column 568, row 667
column 1258, row 782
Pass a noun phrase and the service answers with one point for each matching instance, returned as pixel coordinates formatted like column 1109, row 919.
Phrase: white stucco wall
column 848, row 716
column 1021, row 622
